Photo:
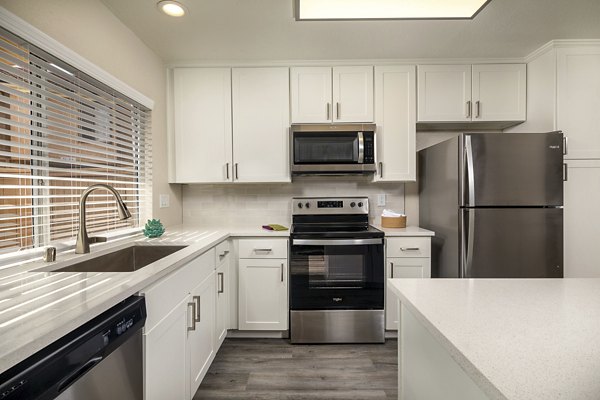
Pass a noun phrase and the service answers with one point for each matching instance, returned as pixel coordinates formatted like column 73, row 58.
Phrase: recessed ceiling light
column 171, row 8
column 387, row 9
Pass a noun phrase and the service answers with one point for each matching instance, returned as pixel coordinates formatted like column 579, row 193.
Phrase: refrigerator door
column 511, row 169
column 511, row 243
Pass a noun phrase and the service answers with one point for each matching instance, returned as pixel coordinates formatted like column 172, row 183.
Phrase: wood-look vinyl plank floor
column 274, row 369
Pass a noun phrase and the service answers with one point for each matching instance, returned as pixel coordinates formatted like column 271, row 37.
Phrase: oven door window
column 342, row 277
column 323, row 148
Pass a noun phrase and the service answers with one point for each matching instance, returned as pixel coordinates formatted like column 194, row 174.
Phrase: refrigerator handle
column 470, row 171
column 468, row 235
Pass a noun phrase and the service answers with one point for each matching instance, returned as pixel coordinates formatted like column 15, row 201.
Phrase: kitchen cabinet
column 395, row 117
column 472, row 93
column 223, row 285
column 202, row 125
column 338, row 94
column 582, row 219
column 578, row 99
column 261, row 121
column 263, row 284
column 407, row 257
column 201, row 334
column 179, row 342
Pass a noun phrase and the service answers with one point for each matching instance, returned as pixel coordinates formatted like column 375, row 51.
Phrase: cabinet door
column 202, row 124
column 353, row 94
column 263, row 299
column 402, row 268
column 444, row 93
column 261, row 122
column 395, row 106
column 222, row 299
column 201, row 337
column 165, row 357
column 578, row 95
column 499, row 92
column 582, row 219
column 311, row 94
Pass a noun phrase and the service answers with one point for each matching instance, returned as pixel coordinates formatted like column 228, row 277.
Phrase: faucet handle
column 97, row 239
column 50, row 254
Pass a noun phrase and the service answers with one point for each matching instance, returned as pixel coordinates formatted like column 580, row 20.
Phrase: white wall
column 89, row 28
column 250, row 206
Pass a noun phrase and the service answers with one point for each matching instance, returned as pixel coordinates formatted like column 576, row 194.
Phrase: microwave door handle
column 361, row 148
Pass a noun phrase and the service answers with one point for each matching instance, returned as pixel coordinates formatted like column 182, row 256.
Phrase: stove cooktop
column 334, row 231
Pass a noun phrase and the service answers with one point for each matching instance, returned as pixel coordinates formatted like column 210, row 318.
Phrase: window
column 60, row 132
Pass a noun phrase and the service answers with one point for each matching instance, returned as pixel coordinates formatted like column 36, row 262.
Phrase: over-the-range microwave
column 333, row 148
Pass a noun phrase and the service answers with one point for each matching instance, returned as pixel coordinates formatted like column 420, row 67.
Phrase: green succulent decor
column 153, row 228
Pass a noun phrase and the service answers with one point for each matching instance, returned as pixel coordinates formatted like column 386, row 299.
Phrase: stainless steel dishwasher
column 100, row 360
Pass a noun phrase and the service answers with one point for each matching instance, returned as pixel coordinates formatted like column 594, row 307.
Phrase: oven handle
column 335, row 242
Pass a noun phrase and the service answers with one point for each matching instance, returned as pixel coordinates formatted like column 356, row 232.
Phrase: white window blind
column 60, row 132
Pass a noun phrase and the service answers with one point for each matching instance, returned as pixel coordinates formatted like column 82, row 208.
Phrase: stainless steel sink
column 125, row 260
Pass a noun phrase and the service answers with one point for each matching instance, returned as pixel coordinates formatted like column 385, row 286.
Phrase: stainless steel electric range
column 337, row 278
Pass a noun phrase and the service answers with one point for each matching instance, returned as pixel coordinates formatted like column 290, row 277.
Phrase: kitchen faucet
column 83, row 241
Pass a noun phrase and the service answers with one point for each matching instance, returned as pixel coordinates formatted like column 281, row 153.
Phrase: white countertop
column 408, row 231
column 518, row 339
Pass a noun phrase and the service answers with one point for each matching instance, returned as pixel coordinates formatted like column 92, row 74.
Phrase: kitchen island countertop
column 517, row 339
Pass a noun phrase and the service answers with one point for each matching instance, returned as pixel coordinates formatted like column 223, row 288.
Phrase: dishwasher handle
column 65, row 383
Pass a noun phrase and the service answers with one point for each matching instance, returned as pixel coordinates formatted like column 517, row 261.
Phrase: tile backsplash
column 253, row 205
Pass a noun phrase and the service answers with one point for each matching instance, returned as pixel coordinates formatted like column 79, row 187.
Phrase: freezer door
column 511, row 243
column 512, row 169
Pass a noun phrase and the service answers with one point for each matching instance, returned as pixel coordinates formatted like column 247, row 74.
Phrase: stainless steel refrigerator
column 495, row 202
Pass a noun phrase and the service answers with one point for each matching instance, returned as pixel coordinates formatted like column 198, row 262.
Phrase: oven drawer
column 263, row 248
column 408, row 247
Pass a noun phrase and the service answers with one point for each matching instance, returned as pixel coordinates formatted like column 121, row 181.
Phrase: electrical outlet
column 381, row 200
column 163, row 201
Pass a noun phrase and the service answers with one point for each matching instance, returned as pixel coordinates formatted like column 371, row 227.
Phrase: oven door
column 344, row 274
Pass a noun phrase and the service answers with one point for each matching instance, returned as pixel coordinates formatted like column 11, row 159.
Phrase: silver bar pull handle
column 380, row 169
column 469, row 109
column 193, row 327
column 221, row 285
column 337, row 110
column 335, row 242
column 328, row 111
column 281, row 272
column 225, row 252
column 477, row 108
column 565, row 145
column 410, row 248
column 197, row 300
column 227, row 171
column 361, row 148
column 236, row 171
column 392, row 269
column 565, row 172
column 263, row 250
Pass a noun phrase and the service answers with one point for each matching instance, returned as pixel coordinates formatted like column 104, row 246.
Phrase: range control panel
column 328, row 205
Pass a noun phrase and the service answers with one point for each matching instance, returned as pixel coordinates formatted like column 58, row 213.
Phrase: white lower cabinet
column 181, row 332
column 222, row 281
column 165, row 357
column 407, row 257
column 263, row 300
column 201, row 334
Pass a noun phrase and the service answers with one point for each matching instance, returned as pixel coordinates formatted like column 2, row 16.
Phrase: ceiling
column 219, row 30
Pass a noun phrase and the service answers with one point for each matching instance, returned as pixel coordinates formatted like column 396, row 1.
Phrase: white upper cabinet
column 444, row 93
column 311, row 94
column 395, row 106
column 478, row 93
column 578, row 95
column 353, row 94
column 499, row 92
column 261, row 121
column 338, row 94
column 202, row 125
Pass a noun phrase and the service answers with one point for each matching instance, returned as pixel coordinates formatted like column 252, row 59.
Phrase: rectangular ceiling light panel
column 387, row 9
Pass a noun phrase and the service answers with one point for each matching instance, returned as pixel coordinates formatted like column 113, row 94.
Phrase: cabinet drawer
column 408, row 247
column 263, row 248
column 222, row 251
column 164, row 295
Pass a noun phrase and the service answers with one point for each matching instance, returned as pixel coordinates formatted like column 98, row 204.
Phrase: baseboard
column 237, row 334
column 391, row 334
